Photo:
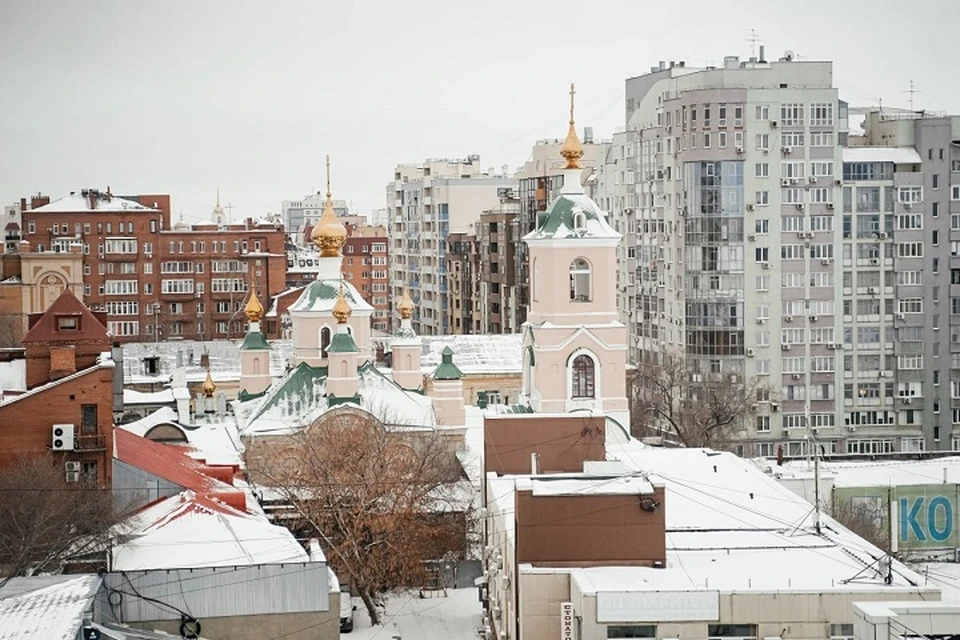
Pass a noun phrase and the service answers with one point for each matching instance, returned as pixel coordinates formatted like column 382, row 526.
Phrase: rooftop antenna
column 753, row 39
column 911, row 91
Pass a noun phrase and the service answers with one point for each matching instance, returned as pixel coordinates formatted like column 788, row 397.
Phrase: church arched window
column 579, row 221
column 580, row 281
column 583, row 381
column 324, row 341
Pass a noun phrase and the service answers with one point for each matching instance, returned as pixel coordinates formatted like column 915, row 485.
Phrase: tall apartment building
column 157, row 282
column 763, row 239
column 463, row 283
column 539, row 181
column 723, row 185
column 429, row 201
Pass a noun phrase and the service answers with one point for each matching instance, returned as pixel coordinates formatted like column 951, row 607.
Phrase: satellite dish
column 789, row 55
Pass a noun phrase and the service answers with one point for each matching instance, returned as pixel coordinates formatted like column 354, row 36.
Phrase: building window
column 731, row 631
column 580, row 280
column 632, row 631
column 68, row 323
column 88, row 419
column 324, row 341
column 583, row 377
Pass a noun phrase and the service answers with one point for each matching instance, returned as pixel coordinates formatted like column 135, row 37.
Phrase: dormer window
column 68, row 323
column 579, row 221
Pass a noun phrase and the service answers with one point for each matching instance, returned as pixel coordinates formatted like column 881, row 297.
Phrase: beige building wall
column 45, row 275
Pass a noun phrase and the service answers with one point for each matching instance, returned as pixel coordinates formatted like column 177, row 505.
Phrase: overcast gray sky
column 182, row 96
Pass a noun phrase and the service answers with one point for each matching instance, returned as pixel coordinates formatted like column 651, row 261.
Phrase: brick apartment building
column 154, row 280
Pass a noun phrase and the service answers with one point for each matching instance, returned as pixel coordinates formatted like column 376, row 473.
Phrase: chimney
column 762, row 57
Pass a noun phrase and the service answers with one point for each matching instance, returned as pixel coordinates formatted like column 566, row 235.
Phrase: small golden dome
column 329, row 234
column 341, row 309
column 572, row 150
column 208, row 386
column 253, row 310
column 405, row 306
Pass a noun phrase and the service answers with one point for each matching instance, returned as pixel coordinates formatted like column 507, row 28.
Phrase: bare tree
column 47, row 521
column 384, row 503
column 693, row 409
column 11, row 329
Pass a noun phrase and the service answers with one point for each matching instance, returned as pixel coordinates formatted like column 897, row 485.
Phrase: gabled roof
column 205, row 532
column 321, row 295
column 44, row 329
column 77, row 202
column 573, row 216
column 49, row 608
column 174, row 465
column 254, row 341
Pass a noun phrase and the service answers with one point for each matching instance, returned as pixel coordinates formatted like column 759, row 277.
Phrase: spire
column 253, row 310
column 572, row 150
column 341, row 309
column 218, row 209
column 329, row 234
column 405, row 306
column 208, row 386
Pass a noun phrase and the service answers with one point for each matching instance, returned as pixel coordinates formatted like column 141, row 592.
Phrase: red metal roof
column 173, row 464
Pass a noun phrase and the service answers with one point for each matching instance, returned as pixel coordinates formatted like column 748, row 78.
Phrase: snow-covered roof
column 879, row 473
column 188, row 531
column 896, row 155
column 77, row 202
column 727, row 523
column 216, row 443
column 164, row 396
column 50, row 608
column 13, row 375
column 103, row 363
column 224, row 359
column 300, row 398
column 320, row 296
column 475, row 354
column 572, row 215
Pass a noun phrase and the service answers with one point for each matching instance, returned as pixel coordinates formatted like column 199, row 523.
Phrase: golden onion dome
column 572, row 150
column 341, row 309
column 208, row 386
column 405, row 306
column 329, row 234
column 253, row 310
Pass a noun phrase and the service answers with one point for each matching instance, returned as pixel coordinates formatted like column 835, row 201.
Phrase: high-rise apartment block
column 764, row 241
column 429, row 201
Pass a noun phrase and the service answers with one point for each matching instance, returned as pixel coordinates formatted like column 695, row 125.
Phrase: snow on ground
column 409, row 617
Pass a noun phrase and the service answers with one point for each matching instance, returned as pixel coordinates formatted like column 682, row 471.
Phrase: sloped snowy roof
column 574, row 216
column 131, row 396
column 216, row 443
column 300, row 398
column 77, row 202
column 188, row 531
column 51, row 611
column 321, row 295
column 224, row 359
column 475, row 354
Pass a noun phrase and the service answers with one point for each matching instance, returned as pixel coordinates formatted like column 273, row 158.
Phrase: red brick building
column 68, row 408
column 155, row 280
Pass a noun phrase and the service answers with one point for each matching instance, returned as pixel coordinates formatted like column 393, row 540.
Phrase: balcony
column 94, row 442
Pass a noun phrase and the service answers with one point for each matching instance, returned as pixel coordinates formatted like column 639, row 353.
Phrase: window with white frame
column 121, row 245
column 909, row 249
column 789, row 224
column 792, row 252
column 791, row 139
column 909, row 277
column 822, row 279
column 176, row 286
column 912, row 361
column 794, row 365
column 821, row 138
column 794, row 421
column 791, row 195
column 821, row 169
column 123, row 327
column 762, row 170
column 120, row 287
column 763, row 141
column 763, row 424
column 822, row 335
column 821, row 223
column 792, row 169
column 791, row 115
column 910, row 195
column 822, row 364
column 821, row 114
column 910, row 305
column 762, row 198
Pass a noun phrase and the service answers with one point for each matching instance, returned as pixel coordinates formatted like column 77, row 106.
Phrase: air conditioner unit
column 71, row 465
column 801, row 234
column 62, row 437
column 765, row 265
column 838, row 182
column 784, row 182
column 739, row 149
column 874, row 261
column 787, row 150
column 825, row 262
column 761, row 320
column 773, row 124
column 750, row 207
column 796, row 376
column 785, row 346
column 788, row 318
column 812, row 179
column 813, row 318
column 751, row 237
column 831, row 346
column 901, row 316
column 907, row 401
column 750, row 353
column 774, row 407
column 794, row 180
column 839, row 345
column 72, row 476
column 830, row 205
column 871, row 290
column 799, row 207
column 883, row 374
column 810, row 234
column 907, row 206
column 882, row 235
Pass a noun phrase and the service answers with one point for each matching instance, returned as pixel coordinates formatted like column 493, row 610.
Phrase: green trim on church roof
column 329, row 290
column 447, row 370
column 254, row 341
column 333, row 401
column 559, row 221
column 300, row 386
column 243, row 396
column 342, row 343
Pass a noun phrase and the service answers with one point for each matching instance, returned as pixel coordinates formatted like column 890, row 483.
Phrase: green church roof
column 573, row 215
column 254, row 341
column 342, row 343
column 447, row 370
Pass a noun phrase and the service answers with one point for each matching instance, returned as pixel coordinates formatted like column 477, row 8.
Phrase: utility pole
column 816, row 480
column 911, row 91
